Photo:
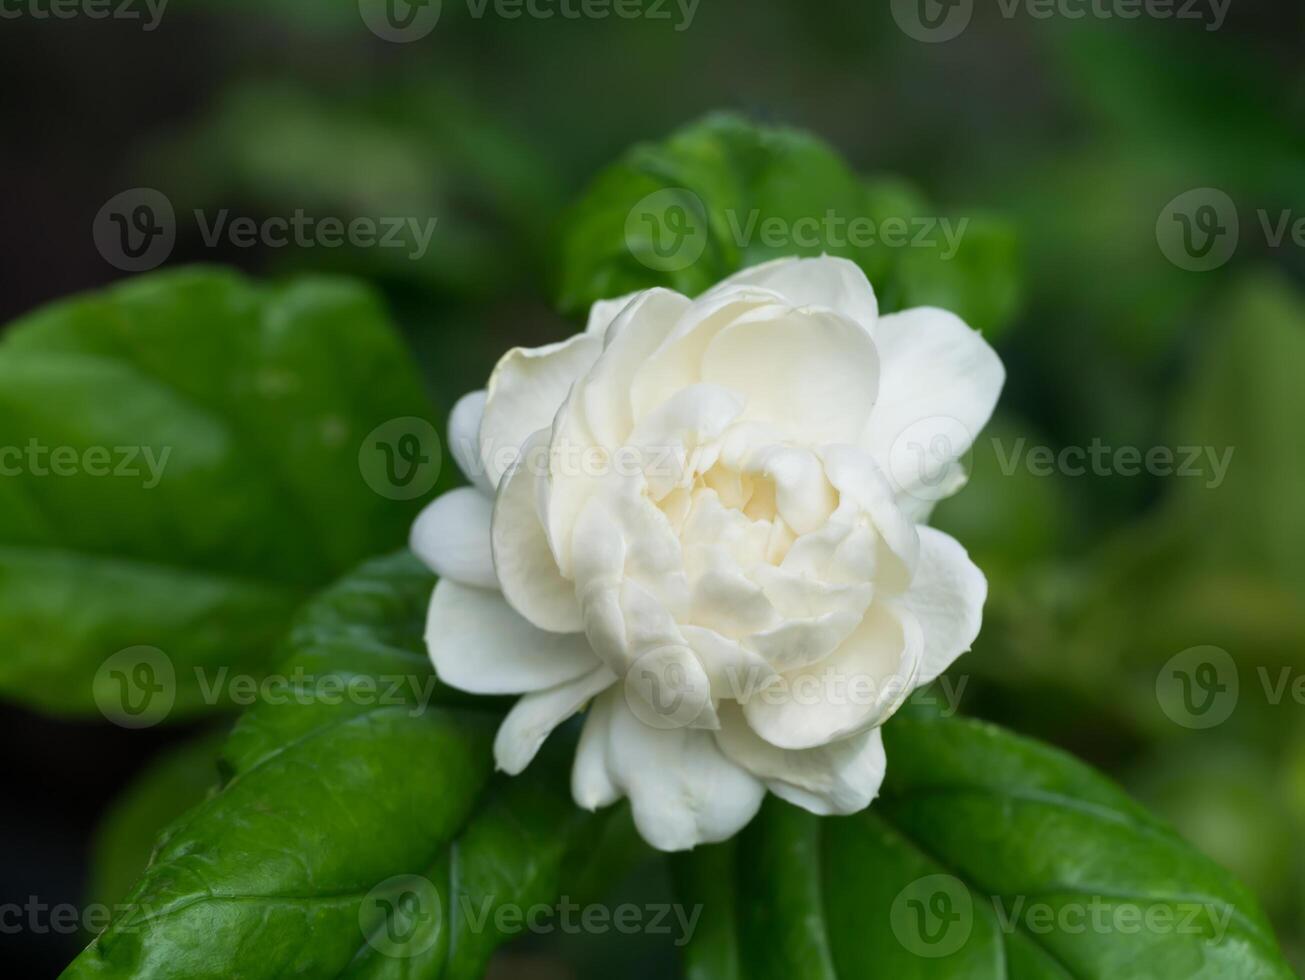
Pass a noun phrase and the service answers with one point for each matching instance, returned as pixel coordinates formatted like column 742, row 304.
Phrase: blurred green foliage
column 1060, row 140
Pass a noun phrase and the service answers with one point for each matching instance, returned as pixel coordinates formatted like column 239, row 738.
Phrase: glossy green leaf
column 186, row 457
column 354, row 834
column 724, row 194
column 987, row 855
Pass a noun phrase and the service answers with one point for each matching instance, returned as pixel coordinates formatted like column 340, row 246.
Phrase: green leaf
column 183, row 464
column 704, row 878
column 987, row 855
column 168, row 787
column 724, row 194
column 335, row 811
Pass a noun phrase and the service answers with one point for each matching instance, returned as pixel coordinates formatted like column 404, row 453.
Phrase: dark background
column 1077, row 131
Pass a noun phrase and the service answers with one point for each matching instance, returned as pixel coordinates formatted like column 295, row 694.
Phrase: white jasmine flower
column 699, row 518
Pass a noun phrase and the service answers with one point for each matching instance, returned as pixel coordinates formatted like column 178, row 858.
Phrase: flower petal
column 812, row 374
column 604, row 311
column 839, row 778
column 628, row 343
column 829, row 282
column 667, row 442
column 946, row 597
column 728, row 602
column 864, row 489
column 683, row 790
column 524, row 393
column 451, row 535
column 478, row 643
column 464, row 438
column 798, row 643
column 804, row 498
column 732, row 671
column 677, row 362
column 527, row 571
column 533, row 718
column 803, row 597
column 852, row 690
column 592, row 785
column 938, row 386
